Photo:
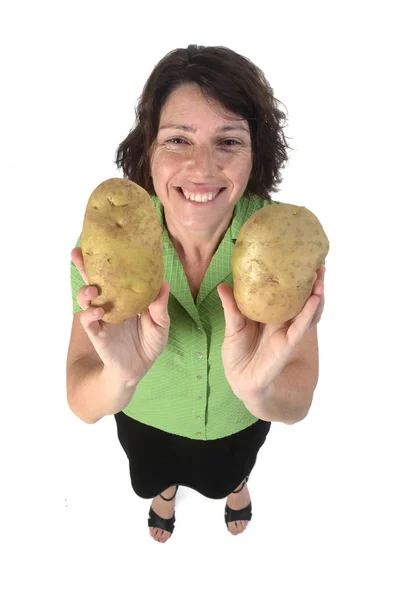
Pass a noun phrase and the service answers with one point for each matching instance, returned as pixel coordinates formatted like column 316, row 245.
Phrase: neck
column 196, row 246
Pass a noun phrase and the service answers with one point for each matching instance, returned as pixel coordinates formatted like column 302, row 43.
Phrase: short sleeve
column 76, row 282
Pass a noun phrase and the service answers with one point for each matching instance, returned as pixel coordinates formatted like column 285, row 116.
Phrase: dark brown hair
column 232, row 80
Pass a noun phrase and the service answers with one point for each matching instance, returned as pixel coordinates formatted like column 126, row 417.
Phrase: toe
column 165, row 536
column 233, row 528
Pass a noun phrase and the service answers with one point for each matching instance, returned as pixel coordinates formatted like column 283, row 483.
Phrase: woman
column 193, row 384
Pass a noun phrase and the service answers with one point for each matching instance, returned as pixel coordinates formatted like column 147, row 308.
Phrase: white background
column 324, row 491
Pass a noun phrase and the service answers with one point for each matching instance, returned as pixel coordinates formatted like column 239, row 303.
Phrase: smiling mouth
column 200, row 198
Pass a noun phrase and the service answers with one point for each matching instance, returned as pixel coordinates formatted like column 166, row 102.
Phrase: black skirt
column 214, row 468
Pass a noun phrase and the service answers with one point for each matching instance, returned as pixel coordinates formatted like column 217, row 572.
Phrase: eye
column 177, row 141
column 230, row 143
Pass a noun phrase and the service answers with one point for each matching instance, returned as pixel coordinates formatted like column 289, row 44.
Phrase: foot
column 237, row 502
column 165, row 510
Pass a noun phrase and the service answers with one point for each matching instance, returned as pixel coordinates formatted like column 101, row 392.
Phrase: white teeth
column 199, row 197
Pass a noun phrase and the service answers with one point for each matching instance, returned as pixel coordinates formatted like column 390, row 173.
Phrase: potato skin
column 274, row 261
column 121, row 245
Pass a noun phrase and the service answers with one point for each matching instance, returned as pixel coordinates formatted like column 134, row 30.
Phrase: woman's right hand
column 128, row 349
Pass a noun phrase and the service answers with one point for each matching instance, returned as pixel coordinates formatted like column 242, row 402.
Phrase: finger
column 234, row 319
column 320, row 275
column 85, row 295
column 318, row 312
column 90, row 320
column 77, row 259
column 318, row 288
column 302, row 322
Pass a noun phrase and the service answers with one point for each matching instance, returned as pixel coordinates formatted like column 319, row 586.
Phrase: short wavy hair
column 237, row 84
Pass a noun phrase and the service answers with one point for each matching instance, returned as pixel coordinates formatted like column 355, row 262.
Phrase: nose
column 203, row 164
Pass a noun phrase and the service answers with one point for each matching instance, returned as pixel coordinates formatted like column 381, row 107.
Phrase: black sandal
column 244, row 514
column 156, row 521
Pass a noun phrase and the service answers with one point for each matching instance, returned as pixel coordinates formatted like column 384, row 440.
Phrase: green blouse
column 186, row 392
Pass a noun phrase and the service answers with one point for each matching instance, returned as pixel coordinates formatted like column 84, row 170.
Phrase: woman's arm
column 93, row 393
column 288, row 399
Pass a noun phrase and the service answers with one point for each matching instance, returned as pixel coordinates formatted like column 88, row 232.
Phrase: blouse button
column 199, row 355
column 198, row 434
column 199, row 376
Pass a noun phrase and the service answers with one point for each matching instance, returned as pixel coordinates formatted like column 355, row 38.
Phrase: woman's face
column 201, row 160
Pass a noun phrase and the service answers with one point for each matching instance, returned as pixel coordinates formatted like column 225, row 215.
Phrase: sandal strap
column 244, row 514
column 242, row 486
column 169, row 499
column 156, row 521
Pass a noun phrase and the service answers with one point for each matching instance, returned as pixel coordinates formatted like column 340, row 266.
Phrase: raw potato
column 122, row 249
column 274, row 262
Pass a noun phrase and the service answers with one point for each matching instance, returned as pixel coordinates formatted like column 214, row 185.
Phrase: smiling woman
column 208, row 146
column 237, row 85
column 210, row 174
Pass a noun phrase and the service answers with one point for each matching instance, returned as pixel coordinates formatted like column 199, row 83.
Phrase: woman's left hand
column 254, row 354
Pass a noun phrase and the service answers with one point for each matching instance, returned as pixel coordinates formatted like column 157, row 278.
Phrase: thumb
column 158, row 309
column 77, row 259
column 234, row 320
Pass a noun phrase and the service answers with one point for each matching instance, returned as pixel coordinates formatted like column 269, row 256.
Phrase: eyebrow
column 223, row 128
